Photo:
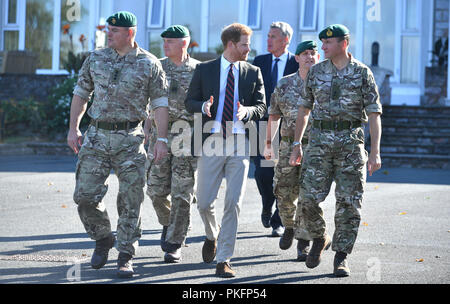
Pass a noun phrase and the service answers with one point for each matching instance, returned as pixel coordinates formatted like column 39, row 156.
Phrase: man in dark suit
column 228, row 92
column 278, row 63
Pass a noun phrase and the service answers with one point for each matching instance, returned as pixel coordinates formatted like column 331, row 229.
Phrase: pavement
column 404, row 237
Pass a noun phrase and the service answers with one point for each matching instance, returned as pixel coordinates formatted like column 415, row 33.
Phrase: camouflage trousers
column 124, row 152
column 286, row 185
column 339, row 157
column 174, row 176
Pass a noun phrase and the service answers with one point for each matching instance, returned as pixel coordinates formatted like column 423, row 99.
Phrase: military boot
column 302, row 250
column 317, row 248
column 287, row 239
column 341, row 268
column 125, row 265
column 163, row 239
column 173, row 254
column 102, row 247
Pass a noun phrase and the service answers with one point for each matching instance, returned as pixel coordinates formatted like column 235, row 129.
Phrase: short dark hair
column 233, row 32
column 345, row 37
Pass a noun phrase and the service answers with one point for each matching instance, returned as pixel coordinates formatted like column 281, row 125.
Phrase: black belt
column 291, row 140
column 336, row 125
column 126, row 125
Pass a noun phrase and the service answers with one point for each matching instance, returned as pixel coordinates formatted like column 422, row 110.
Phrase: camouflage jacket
column 285, row 102
column 350, row 94
column 178, row 78
column 123, row 87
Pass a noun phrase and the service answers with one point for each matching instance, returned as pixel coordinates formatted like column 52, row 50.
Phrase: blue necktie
column 275, row 74
column 227, row 114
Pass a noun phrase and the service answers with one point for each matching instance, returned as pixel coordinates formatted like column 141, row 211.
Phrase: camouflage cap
column 122, row 19
column 334, row 30
column 305, row 45
column 176, row 31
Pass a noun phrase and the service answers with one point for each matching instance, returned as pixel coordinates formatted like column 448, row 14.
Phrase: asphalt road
column 404, row 235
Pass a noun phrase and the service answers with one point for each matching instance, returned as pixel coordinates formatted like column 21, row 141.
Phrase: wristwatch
column 296, row 143
column 164, row 140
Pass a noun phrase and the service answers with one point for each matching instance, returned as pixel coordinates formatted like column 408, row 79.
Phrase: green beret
column 305, row 45
column 122, row 19
column 175, row 31
column 334, row 30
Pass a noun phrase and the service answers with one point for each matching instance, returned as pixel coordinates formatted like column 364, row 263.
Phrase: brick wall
column 35, row 87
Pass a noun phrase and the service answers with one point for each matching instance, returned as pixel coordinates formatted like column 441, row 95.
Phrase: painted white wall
column 287, row 11
column 139, row 8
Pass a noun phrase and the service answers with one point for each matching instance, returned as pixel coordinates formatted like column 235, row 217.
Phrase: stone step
column 407, row 148
column 427, row 120
column 410, row 138
column 415, row 110
column 396, row 160
column 416, row 129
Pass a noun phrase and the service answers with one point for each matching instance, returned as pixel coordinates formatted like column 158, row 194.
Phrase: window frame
column 160, row 23
column 301, row 25
column 256, row 26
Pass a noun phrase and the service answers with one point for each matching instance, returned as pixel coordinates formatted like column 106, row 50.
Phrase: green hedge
column 42, row 118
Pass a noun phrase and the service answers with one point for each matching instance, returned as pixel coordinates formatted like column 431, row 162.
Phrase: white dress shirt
column 238, row 126
column 281, row 64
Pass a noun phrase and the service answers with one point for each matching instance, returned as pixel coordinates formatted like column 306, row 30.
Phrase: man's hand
column 374, row 163
column 241, row 111
column 269, row 154
column 296, row 156
column 74, row 140
column 147, row 135
column 160, row 151
column 207, row 106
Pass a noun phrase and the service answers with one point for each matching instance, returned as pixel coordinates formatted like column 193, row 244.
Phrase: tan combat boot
column 318, row 246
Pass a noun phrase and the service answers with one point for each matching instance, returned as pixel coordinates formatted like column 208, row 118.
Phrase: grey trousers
column 232, row 163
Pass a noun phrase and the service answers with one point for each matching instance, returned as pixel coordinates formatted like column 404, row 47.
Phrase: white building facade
column 405, row 29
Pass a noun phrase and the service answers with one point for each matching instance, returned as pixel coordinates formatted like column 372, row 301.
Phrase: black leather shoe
column 125, row 266
column 265, row 218
column 287, row 239
column 102, row 247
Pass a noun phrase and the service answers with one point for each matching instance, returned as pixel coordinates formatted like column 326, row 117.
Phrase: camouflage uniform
column 123, row 87
column 337, row 155
column 174, row 175
column 284, row 102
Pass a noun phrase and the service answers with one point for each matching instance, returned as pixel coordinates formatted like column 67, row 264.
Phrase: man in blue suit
column 278, row 63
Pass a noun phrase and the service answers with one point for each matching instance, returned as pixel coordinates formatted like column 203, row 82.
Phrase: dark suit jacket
column 206, row 82
column 264, row 62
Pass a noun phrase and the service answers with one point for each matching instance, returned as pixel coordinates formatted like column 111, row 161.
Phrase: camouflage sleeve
column 306, row 98
column 371, row 97
column 158, row 88
column 85, row 85
column 274, row 108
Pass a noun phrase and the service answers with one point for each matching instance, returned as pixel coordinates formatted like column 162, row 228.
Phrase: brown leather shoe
column 224, row 270
column 209, row 250
column 317, row 248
